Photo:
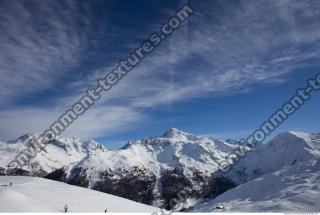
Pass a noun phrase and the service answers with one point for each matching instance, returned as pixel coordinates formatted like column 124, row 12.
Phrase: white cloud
column 104, row 121
column 96, row 122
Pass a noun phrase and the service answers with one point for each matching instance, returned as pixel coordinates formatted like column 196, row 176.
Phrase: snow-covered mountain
column 58, row 153
column 293, row 188
column 286, row 149
column 30, row 194
column 281, row 175
column 154, row 170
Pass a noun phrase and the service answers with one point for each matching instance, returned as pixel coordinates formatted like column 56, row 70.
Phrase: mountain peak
column 172, row 135
column 174, row 132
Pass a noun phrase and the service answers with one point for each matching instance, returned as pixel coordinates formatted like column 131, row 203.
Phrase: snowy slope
column 286, row 149
column 292, row 189
column 30, row 194
column 281, row 175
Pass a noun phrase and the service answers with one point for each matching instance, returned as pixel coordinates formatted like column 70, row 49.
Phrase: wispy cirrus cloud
column 39, row 41
column 226, row 48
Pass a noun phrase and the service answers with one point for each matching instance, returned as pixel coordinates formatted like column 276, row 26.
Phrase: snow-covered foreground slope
column 29, row 194
column 292, row 189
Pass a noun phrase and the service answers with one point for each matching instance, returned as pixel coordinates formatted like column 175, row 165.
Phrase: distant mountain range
column 154, row 170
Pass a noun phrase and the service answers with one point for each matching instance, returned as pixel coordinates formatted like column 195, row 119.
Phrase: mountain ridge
column 153, row 170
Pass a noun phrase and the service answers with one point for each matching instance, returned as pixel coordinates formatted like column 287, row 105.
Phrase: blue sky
column 222, row 74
